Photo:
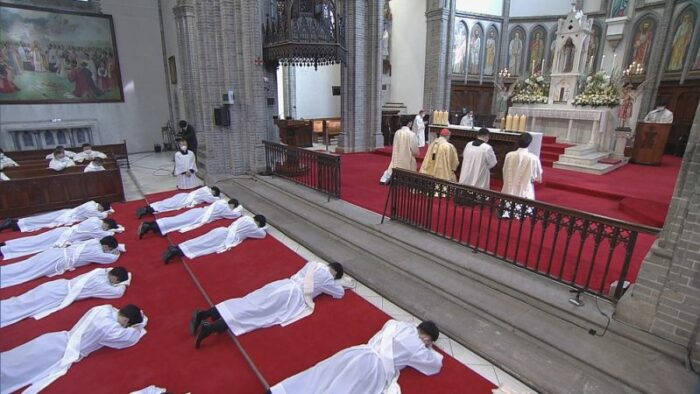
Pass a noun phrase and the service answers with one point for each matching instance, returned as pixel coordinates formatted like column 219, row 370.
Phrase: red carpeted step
column 548, row 162
column 646, row 212
column 555, row 148
column 549, row 155
column 549, row 139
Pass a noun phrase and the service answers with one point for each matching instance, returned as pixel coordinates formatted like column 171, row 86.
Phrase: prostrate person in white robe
column 62, row 217
column 69, row 154
column 56, row 261
column 281, row 302
column 419, row 128
column 403, row 152
column 521, row 169
column 478, row 159
column 152, row 389
column 660, row 114
column 6, row 161
column 94, row 166
column 53, row 296
column 467, row 120
column 91, row 228
column 372, row 368
column 88, row 154
column 193, row 218
column 41, row 361
column 181, row 200
column 185, row 167
column 219, row 239
column 60, row 161
column 4, row 177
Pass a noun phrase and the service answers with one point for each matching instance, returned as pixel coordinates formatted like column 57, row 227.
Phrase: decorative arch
column 642, row 40
column 459, row 47
column 491, row 50
column 681, row 38
column 536, row 48
column 516, row 50
column 475, row 45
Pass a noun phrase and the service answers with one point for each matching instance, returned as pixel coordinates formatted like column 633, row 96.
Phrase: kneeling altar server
column 62, row 217
column 181, row 200
column 194, row 218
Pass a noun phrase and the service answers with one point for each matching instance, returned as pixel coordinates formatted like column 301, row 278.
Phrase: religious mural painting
column 459, row 48
column 642, row 41
column 475, row 41
column 536, row 49
column 619, row 8
column 593, row 49
column 682, row 37
column 49, row 56
column 491, row 50
column 515, row 51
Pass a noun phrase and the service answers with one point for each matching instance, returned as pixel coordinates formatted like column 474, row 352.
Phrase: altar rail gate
column 585, row 251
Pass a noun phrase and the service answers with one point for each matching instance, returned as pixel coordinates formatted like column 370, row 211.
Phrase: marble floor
column 152, row 173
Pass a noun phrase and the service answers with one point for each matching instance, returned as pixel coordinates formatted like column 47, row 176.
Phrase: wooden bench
column 23, row 172
column 325, row 130
column 116, row 151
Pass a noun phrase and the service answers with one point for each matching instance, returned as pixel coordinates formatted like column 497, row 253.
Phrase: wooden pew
column 23, row 197
column 24, row 172
column 115, row 151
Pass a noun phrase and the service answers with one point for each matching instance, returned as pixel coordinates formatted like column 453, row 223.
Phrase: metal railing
column 317, row 170
column 582, row 250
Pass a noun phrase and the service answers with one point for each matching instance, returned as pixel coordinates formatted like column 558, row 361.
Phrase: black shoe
column 205, row 330
column 141, row 212
column 143, row 229
column 9, row 223
column 196, row 322
column 172, row 251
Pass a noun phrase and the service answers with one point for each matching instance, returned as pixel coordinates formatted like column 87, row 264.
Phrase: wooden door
column 475, row 98
column 683, row 102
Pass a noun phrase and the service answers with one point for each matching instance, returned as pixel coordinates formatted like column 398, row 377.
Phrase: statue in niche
column 536, row 53
column 474, row 50
column 459, row 48
column 566, row 58
column 642, row 43
column 490, row 52
column 552, row 49
column 619, row 8
column 515, row 50
column 681, row 41
column 592, row 55
column 386, row 39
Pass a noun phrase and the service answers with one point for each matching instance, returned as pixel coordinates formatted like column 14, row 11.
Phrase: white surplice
column 520, row 169
column 55, row 261
column 222, row 239
column 367, row 369
column 185, row 200
column 659, row 115
column 403, row 152
column 60, row 165
column 91, row 155
column 280, row 302
column 55, row 295
column 467, row 120
column 478, row 159
column 7, row 162
column 68, row 153
column 46, row 358
column 4, row 177
column 92, row 167
column 186, row 164
column 90, row 228
column 61, row 217
column 197, row 217
column 419, row 130
column 152, row 389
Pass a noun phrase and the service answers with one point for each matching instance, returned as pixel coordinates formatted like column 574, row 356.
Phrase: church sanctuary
column 350, row 196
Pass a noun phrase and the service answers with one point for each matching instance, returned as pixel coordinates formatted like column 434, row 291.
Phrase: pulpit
column 650, row 142
column 295, row 132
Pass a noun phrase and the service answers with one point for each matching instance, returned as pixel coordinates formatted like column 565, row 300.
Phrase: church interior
column 521, row 175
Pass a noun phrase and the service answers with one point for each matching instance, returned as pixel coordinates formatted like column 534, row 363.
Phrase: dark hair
column 183, row 123
column 215, row 191
column 111, row 223
column 261, row 220
column 86, row 144
column 132, row 312
column 483, row 132
column 120, row 273
column 662, row 101
column 98, row 160
column 233, row 202
column 407, row 121
column 57, row 152
column 60, row 147
column 2, row 151
column 430, row 328
column 105, row 205
column 524, row 140
column 338, row 268
column 109, row 241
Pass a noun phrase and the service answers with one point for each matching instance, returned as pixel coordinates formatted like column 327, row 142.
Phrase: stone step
column 589, row 159
column 580, row 150
column 595, row 169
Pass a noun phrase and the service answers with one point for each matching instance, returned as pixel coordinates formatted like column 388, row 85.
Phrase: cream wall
column 314, row 98
column 488, row 7
column 408, row 53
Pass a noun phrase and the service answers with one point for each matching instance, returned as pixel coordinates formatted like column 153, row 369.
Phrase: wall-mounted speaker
column 222, row 116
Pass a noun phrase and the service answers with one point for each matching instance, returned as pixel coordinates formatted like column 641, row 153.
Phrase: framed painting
column 52, row 57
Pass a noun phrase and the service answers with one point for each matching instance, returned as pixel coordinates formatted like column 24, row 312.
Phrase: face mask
column 88, row 151
column 183, row 148
column 63, row 158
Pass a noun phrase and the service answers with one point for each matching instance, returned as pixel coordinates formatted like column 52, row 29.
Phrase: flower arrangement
column 533, row 90
column 599, row 90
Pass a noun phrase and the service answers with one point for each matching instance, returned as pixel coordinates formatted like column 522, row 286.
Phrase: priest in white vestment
column 6, row 161
column 403, row 152
column 478, row 159
column 60, row 161
column 467, row 120
column 56, row 261
column 220, row 239
column 372, row 368
column 193, row 218
column 53, row 296
column 91, row 228
column 281, row 302
column 88, row 154
column 62, row 217
column 181, row 200
column 94, row 166
column 660, row 114
column 41, row 361
column 69, row 154
column 185, row 167
column 419, row 128
column 441, row 160
column 521, row 169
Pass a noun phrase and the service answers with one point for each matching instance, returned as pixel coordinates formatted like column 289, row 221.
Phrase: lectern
column 295, row 132
column 650, row 142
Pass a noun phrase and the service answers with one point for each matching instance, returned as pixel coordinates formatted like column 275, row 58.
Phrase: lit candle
column 533, row 66
column 542, row 69
column 509, row 121
column 602, row 63
column 613, row 62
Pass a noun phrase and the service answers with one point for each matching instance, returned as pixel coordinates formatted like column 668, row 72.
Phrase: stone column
column 665, row 300
column 289, row 86
column 437, row 54
column 187, row 46
column 502, row 58
column 655, row 68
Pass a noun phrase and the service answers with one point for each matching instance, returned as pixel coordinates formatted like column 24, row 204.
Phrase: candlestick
column 542, row 69
column 613, row 63
column 602, row 63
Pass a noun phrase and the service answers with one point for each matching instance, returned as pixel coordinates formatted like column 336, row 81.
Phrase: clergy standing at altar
column 478, row 159
column 660, row 114
column 441, row 160
column 419, row 128
column 403, row 152
column 520, row 169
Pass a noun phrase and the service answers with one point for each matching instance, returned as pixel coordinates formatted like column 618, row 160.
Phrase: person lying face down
column 58, row 218
column 181, row 200
column 193, row 218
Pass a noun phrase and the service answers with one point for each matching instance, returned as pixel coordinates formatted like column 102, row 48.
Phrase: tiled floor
column 152, row 173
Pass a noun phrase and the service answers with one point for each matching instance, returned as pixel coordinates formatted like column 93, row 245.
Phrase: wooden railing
column 317, row 170
column 585, row 251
